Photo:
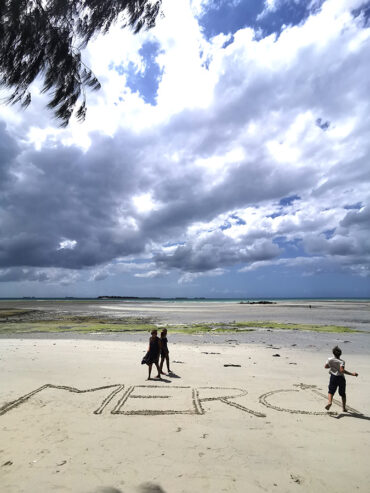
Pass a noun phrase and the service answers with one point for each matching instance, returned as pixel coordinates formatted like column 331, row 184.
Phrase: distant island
column 127, row 298
column 181, row 298
column 144, row 298
column 262, row 302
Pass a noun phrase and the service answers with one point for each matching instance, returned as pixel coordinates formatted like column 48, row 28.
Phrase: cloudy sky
column 226, row 155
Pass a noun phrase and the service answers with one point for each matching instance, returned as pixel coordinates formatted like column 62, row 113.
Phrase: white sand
column 54, row 442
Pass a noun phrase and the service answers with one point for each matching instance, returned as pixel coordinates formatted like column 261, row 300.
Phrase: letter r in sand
column 155, row 399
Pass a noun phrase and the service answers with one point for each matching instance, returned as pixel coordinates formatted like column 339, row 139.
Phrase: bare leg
column 159, row 371
column 161, row 365
column 150, row 370
column 330, row 402
column 344, row 400
column 168, row 363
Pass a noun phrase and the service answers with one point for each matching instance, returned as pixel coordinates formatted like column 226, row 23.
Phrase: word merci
column 151, row 400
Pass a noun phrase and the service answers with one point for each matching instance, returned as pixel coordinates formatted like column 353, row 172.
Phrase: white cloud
column 195, row 183
column 190, row 277
column 67, row 244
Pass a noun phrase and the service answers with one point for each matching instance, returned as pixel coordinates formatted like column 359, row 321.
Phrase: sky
column 227, row 155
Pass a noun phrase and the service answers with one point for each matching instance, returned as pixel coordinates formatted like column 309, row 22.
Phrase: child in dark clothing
column 337, row 378
column 164, row 351
column 152, row 355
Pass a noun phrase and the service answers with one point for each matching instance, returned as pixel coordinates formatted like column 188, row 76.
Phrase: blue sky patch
column 364, row 11
column 329, row 233
column 353, row 206
column 276, row 214
column 289, row 200
column 292, row 248
column 237, row 219
column 146, row 82
column 226, row 16
column 224, row 226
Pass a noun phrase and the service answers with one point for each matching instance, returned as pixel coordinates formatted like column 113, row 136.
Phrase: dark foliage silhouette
column 45, row 38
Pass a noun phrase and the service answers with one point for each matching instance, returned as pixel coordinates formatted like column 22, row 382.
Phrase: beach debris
column 62, row 463
column 292, row 363
column 229, row 364
column 205, row 352
column 181, row 362
column 8, row 463
column 296, row 479
column 277, row 355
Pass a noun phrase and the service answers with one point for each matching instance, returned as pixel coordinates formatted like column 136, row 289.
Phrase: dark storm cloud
column 245, row 185
column 66, row 208
column 61, row 193
column 357, row 218
column 18, row 274
column 217, row 250
column 8, row 151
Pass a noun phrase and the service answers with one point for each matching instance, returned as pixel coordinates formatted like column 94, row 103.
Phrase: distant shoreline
column 182, row 299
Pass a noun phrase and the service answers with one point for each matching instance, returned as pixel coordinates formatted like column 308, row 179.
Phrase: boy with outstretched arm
column 337, row 378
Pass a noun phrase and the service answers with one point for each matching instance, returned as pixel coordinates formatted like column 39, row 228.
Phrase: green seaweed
column 13, row 312
column 65, row 327
column 85, row 324
column 292, row 326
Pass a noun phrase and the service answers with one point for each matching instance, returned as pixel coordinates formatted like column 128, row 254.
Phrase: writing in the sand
column 151, row 400
column 147, row 399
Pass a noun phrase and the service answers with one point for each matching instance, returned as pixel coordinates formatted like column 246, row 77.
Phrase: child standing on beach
column 164, row 351
column 337, row 378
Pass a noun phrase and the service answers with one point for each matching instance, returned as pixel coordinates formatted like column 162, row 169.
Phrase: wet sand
column 349, row 313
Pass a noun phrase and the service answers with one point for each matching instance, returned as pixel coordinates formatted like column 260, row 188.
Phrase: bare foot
column 148, row 378
column 327, row 407
column 345, row 410
column 158, row 376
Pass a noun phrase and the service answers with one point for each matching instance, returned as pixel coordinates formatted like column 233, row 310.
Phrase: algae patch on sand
column 250, row 326
column 292, row 326
column 18, row 321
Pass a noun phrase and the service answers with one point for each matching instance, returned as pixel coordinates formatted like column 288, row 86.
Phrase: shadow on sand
column 171, row 374
column 352, row 415
column 143, row 488
column 150, row 488
column 163, row 380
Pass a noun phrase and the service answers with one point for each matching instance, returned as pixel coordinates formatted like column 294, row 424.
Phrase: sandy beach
column 241, row 412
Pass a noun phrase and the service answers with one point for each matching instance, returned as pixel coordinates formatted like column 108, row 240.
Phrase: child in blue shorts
column 337, row 378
